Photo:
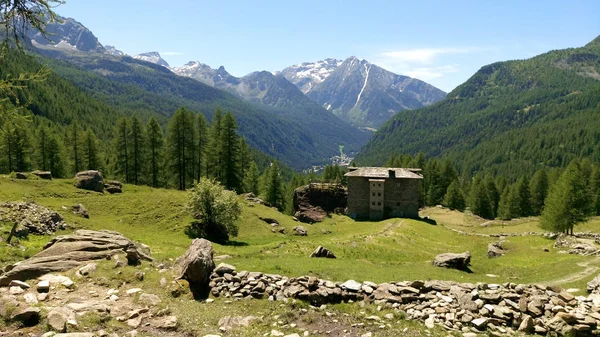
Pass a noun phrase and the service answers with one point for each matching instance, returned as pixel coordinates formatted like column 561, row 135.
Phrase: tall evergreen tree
column 524, row 196
column 493, row 194
column 244, row 160
column 91, row 152
column 136, row 141
column 510, row 203
column 176, row 147
column 56, row 158
column 595, row 185
column 539, row 191
column 76, row 155
column 569, row 201
column 122, row 149
column 201, row 146
column 215, row 167
column 454, row 198
column 433, row 183
column 43, row 138
column 275, row 193
column 155, row 146
column 230, row 153
column 251, row 179
column 480, row 202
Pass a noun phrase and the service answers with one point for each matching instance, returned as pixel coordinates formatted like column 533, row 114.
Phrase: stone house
column 377, row 193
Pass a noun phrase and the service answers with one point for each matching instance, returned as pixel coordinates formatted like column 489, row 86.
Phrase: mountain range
column 509, row 117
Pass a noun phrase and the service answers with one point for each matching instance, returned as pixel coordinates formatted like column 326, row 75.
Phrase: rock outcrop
column 46, row 175
column 323, row 252
column 89, row 180
column 66, row 252
column 113, row 187
column 455, row 261
column 80, row 210
column 314, row 201
column 35, row 218
column 496, row 249
column 300, row 231
column 196, row 266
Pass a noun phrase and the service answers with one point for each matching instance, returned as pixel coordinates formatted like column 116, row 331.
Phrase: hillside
column 509, row 117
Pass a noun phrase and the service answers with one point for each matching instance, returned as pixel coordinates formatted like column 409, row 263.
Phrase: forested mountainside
column 509, row 118
column 136, row 85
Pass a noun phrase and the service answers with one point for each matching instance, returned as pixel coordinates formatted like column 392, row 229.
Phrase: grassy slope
column 395, row 249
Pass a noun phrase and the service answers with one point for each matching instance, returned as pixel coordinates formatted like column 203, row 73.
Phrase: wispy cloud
column 428, row 73
column 426, row 55
column 170, row 53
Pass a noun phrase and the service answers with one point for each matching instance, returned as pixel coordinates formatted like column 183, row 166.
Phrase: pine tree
column 493, row 194
column 122, row 149
column 16, row 148
column 230, row 153
column 251, row 179
column 202, row 143
column 510, row 203
column 155, row 145
column 569, row 201
column 56, row 158
column 480, row 202
column 275, row 193
column 91, row 153
column 595, row 186
column 136, row 141
column 245, row 159
column 454, row 198
column 176, row 147
column 434, row 184
column 524, row 197
column 214, row 167
column 76, row 155
column 539, row 191
column 43, row 138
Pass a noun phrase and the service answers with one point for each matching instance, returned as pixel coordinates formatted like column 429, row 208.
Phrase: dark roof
column 384, row 172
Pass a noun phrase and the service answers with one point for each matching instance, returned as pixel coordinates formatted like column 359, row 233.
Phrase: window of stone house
column 378, row 194
column 379, row 203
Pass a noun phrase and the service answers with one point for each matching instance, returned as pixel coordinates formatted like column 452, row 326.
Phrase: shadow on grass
column 235, row 243
column 197, row 229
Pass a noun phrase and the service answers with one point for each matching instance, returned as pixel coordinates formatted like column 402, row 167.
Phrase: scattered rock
column 270, row 221
column 87, row 269
column 300, row 231
column 455, row 261
column 58, row 317
column 20, row 284
column 224, row 268
column 113, row 187
column 322, row 252
column 593, row 287
column 496, row 249
column 195, row 266
column 20, row 175
column 165, row 323
column 29, row 316
column 80, row 210
column 46, row 175
column 230, row 322
column 35, row 218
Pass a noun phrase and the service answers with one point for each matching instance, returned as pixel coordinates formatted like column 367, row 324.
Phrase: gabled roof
column 384, row 172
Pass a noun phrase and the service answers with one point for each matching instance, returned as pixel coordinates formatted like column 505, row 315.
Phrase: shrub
column 215, row 209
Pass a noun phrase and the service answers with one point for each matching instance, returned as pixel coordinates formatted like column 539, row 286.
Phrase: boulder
column 21, row 175
column 314, row 201
column 452, row 260
column 270, row 221
column 89, row 180
column 195, row 266
column 322, row 252
column 113, row 187
column 46, row 175
column 29, row 316
column 224, row 268
column 230, row 322
column 300, row 231
column 80, row 210
column 593, row 287
column 66, row 252
column 496, row 249
column 58, row 317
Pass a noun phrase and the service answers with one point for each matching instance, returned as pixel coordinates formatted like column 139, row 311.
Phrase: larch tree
column 136, row 141
column 274, row 191
column 75, row 139
column 230, row 153
column 524, row 196
column 55, row 153
column 122, row 149
column 91, row 152
column 595, row 185
column 214, row 165
column 155, row 146
column 201, row 146
column 43, row 138
column 569, row 201
column 244, row 159
column 539, row 191
column 454, row 198
column 251, row 179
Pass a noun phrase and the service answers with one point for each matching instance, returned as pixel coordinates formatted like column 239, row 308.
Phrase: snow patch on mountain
column 112, row 50
column 308, row 74
column 153, row 57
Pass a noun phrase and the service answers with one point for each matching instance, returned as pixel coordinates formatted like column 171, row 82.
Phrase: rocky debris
column 496, row 249
column 452, row 260
column 58, row 317
column 224, row 268
column 300, row 231
column 46, row 175
column 89, row 180
column 165, row 323
column 593, row 287
column 231, row 322
column 502, row 309
column 314, row 201
column 270, row 221
column 35, row 218
column 196, row 266
column 251, row 198
column 577, row 244
column 66, row 252
column 323, row 252
column 21, row 175
column 113, row 187
column 80, row 210
column 87, row 269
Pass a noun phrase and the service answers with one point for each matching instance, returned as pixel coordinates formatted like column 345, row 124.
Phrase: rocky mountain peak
column 152, row 57
column 111, row 50
column 66, row 34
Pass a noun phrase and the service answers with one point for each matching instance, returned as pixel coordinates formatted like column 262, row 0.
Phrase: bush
column 215, row 209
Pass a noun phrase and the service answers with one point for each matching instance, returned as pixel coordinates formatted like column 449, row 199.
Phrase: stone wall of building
column 401, row 198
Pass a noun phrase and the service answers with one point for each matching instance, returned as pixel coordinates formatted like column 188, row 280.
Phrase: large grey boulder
column 47, row 175
column 66, row 252
column 496, row 249
column 89, row 180
column 195, row 266
column 451, row 260
column 323, row 252
column 113, row 187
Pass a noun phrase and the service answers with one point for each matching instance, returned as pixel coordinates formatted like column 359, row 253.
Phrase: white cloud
column 425, row 55
column 428, row 73
column 170, row 53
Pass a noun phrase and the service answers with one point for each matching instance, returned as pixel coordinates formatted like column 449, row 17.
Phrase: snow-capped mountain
column 360, row 92
column 111, row 50
column 308, row 74
column 152, row 57
column 67, row 35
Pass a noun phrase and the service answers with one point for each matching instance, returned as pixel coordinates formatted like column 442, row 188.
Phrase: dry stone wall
column 498, row 308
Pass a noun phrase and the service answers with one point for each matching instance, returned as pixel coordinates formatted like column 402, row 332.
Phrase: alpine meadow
column 310, row 169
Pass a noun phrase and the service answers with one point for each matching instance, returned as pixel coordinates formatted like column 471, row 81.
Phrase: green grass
column 390, row 250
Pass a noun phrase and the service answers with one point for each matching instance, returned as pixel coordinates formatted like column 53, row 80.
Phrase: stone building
column 377, row 193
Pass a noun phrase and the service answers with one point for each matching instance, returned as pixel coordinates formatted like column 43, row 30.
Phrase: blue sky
column 441, row 42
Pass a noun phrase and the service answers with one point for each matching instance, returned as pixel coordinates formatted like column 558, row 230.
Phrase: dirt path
column 591, row 267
